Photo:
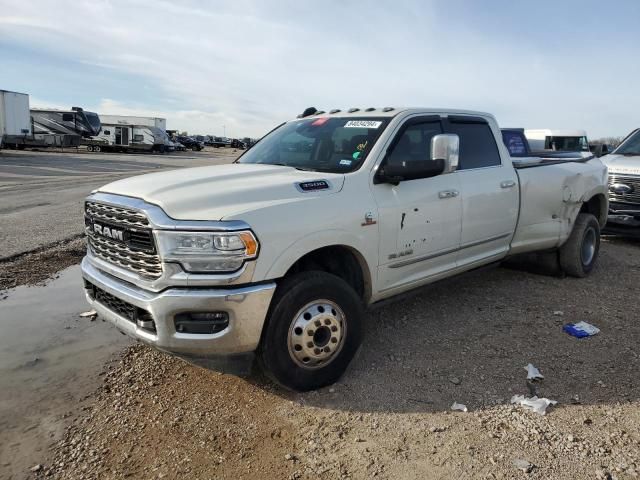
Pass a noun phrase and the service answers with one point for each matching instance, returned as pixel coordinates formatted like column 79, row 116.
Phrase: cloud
column 250, row 65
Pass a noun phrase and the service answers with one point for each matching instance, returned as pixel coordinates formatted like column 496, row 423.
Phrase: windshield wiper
column 630, row 154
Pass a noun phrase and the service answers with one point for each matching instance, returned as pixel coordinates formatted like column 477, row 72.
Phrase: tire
column 90, row 148
column 97, row 148
column 313, row 330
column 579, row 254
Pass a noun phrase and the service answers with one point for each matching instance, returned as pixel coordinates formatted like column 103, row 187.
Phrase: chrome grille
column 118, row 215
column 631, row 181
column 137, row 252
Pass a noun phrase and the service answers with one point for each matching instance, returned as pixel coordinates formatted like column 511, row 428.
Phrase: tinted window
column 515, row 143
column 107, row 132
column 414, row 143
column 138, row 138
column 478, row 147
column 67, row 117
column 414, row 146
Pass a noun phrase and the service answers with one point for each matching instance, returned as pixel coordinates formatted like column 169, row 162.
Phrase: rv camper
column 128, row 138
column 59, row 128
column 157, row 122
column 15, row 123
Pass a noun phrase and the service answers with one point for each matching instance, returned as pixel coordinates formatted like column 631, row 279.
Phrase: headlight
column 206, row 252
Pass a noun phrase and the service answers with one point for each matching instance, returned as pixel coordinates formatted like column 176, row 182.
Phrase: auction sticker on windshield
column 362, row 124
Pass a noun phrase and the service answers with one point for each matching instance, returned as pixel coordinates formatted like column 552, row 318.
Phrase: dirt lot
column 466, row 340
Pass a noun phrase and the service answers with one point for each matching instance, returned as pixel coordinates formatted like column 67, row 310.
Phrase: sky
column 241, row 67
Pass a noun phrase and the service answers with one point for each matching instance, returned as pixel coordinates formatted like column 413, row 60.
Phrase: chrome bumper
column 246, row 306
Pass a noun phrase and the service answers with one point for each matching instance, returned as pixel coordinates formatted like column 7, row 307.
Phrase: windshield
column 567, row 144
column 323, row 144
column 631, row 146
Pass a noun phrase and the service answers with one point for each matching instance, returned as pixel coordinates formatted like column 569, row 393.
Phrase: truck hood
column 223, row 191
column 621, row 164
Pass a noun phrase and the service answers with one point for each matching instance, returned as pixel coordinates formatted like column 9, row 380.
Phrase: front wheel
column 579, row 253
column 313, row 331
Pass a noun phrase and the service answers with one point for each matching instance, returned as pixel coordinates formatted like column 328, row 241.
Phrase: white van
column 557, row 140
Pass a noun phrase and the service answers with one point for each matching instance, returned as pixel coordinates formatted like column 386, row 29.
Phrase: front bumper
column 623, row 219
column 246, row 307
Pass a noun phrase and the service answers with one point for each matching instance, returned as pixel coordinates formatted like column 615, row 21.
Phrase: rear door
column 489, row 190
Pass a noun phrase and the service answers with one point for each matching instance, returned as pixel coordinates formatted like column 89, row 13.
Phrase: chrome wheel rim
column 317, row 334
column 588, row 250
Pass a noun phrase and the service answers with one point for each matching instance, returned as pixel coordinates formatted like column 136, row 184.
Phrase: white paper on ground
column 587, row 328
column 533, row 373
column 459, row 406
column 90, row 313
column 538, row 405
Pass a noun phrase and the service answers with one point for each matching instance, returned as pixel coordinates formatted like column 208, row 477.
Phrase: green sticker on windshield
column 356, row 155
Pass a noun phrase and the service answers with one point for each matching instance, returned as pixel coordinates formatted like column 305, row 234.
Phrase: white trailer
column 157, row 122
column 127, row 138
column 15, row 119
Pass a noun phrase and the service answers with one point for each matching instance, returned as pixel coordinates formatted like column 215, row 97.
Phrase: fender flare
column 322, row 239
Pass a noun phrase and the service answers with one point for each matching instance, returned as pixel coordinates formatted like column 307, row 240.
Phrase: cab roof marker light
column 308, row 112
column 388, row 109
column 335, row 110
column 352, row 110
column 320, row 112
column 370, row 109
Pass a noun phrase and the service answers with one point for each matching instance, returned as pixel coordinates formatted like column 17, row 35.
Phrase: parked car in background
column 219, row 142
column 178, row 146
column 624, row 186
column 239, row 144
column 280, row 252
column 190, row 143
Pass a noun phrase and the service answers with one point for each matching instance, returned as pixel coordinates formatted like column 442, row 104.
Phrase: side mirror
column 446, row 147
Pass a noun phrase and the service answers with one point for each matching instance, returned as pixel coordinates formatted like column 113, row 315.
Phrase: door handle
column 448, row 193
column 507, row 184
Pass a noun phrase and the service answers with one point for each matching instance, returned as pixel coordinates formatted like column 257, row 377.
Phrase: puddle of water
column 50, row 359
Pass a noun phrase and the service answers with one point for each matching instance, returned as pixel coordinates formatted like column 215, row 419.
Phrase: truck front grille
column 632, row 181
column 132, row 249
column 132, row 313
column 118, row 215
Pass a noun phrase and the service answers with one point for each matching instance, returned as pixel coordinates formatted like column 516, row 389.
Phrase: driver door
column 420, row 219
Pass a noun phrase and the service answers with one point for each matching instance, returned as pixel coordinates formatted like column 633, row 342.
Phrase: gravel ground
column 466, row 340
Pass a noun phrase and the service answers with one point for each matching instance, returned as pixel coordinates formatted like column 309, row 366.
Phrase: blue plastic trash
column 580, row 329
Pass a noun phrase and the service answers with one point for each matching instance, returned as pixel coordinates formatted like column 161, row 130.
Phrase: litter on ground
column 459, row 406
column 581, row 329
column 538, row 405
column 533, row 373
column 90, row 313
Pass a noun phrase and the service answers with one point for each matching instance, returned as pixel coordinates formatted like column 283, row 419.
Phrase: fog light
column 201, row 322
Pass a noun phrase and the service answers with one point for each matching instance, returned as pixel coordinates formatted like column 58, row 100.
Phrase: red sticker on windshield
column 320, row 121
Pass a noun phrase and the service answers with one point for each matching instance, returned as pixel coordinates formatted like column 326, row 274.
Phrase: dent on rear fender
column 581, row 188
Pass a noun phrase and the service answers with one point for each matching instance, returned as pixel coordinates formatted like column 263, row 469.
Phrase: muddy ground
column 37, row 266
column 466, row 340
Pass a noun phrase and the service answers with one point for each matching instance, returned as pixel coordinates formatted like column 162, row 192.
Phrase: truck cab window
column 413, row 148
column 478, row 147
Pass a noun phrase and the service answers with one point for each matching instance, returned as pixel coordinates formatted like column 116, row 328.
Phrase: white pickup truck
column 280, row 253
